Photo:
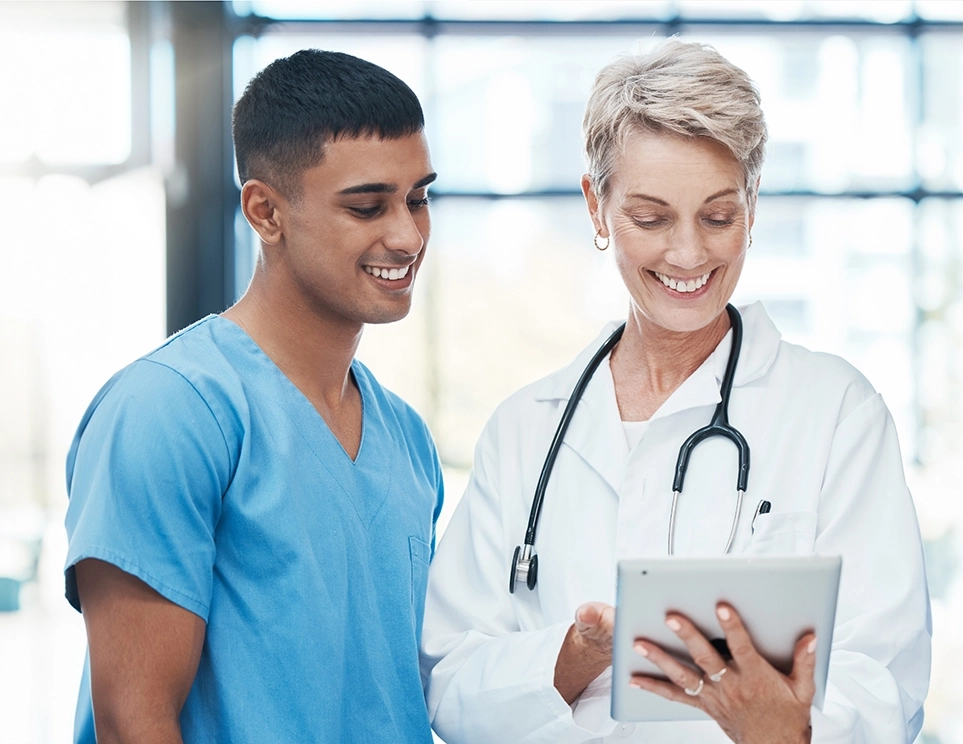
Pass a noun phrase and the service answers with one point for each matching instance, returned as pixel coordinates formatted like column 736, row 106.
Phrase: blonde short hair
column 680, row 88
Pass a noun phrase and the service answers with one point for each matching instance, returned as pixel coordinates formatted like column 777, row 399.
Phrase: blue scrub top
column 202, row 470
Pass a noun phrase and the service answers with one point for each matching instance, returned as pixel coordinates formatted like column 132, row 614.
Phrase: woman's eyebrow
column 724, row 192
column 646, row 197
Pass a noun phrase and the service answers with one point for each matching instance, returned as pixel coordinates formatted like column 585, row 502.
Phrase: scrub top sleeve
column 475, row 659
column 151, row 466
column 880, row 662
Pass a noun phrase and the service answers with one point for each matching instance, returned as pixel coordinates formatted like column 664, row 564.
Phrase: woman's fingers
column 595, row 624
column 586, row 650
column 665, row 689
column 803, row 676
column 702, row 652
column 747, row 696
column 589, row 615
column 681, row 676
column 737, row 637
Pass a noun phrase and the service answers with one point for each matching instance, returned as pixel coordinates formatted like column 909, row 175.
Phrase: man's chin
column 385, row 316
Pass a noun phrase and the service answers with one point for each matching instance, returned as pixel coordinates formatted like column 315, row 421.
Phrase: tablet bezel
column 778, row 597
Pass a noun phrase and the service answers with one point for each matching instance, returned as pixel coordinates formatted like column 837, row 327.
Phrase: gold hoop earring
column 598, row 241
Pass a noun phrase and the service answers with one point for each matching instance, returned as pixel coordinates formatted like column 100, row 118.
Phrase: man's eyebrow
column 426, row 180
column 383, row 188
column 369, row 188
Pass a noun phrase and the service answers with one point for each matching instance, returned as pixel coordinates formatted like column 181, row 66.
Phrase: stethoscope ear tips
column 524, row 568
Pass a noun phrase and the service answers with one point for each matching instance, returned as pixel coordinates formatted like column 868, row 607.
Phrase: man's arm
column 144, row 653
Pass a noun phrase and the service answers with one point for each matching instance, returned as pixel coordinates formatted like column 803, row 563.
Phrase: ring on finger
column 696, row 691
column 718, row 675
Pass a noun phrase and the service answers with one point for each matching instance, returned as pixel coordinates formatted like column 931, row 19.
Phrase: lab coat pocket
column 784, row 532
column 420, row 556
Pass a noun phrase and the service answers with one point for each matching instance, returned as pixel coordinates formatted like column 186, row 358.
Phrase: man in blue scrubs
column 251, row 514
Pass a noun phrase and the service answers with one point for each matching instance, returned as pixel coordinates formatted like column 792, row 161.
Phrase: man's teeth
column 680, row 285
column 387, row 273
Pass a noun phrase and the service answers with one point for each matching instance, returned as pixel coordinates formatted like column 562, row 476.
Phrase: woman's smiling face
column 678, row 217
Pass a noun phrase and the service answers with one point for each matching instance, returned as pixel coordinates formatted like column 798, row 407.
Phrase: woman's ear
column 260, row 204
column 755, row 201
column 592, row 202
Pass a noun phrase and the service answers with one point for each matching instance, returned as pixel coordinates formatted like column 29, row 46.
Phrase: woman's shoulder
column 769, row 354
column 820, row 378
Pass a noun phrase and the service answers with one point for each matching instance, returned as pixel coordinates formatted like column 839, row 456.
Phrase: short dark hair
column 296, row 104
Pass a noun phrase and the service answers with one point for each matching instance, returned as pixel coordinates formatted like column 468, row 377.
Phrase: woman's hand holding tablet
column 682, row 650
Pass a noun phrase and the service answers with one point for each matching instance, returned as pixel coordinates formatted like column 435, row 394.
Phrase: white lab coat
column 824, row 452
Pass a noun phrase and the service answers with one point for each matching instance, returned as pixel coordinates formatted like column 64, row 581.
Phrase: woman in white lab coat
column 674, row 142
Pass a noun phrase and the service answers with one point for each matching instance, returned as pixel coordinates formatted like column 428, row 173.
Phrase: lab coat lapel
column 759, row 347
column 595, row 433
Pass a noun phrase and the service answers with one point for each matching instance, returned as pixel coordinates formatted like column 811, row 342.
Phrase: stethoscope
column 525, row 561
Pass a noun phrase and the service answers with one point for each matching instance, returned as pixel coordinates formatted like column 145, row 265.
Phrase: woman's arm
column 586, row 651
column 880, row 662
column 486, row 679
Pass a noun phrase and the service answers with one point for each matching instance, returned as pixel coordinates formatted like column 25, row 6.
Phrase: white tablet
column 778, row 597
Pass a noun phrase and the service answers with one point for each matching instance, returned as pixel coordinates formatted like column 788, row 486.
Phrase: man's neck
column 312, row 352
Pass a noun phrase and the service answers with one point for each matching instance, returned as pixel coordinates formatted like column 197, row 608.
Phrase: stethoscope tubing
column 719, row 425
column 566, row 419
column 525, row 562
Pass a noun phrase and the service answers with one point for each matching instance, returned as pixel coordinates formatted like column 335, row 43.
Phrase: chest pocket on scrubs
column 784, row 532
column 420, row 556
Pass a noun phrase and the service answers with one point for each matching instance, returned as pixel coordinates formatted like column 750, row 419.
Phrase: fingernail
column 812, row 646
column 674, row 625
column 723, row 613
column 641, row 649
column 636, row 685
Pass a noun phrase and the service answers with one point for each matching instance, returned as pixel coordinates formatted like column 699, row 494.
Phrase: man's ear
column 261, row 206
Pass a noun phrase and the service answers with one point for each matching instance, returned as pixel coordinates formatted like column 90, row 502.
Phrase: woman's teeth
column 391, row 274
column 680, row 285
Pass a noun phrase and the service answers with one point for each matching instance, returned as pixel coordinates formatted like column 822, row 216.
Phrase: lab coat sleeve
column 486, row 680
column 880, row 662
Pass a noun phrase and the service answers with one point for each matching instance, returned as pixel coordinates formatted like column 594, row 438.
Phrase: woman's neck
column 650, row 363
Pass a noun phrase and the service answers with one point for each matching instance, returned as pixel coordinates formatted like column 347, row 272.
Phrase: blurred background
column 117, row 174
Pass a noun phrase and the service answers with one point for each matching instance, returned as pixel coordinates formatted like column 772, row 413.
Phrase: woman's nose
column 687, row 248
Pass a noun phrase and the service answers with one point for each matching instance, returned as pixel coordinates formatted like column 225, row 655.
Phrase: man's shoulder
column 193, row 374
column 202, row 350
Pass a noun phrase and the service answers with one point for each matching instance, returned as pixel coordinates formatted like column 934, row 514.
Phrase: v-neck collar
column 295, row 404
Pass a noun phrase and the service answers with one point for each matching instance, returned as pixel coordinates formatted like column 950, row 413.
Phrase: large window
column 858, row 242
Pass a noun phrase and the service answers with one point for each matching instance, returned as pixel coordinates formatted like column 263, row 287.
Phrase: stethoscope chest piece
column 524, row 568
